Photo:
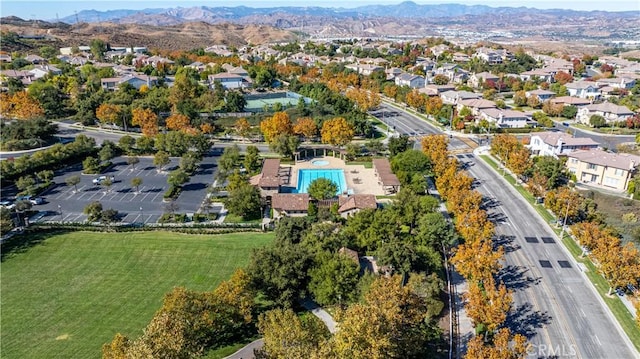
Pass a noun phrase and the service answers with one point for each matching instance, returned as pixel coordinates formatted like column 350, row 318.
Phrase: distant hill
column 407, row 9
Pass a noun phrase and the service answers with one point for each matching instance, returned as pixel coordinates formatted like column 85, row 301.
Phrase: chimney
column 632, row 165
column 559, row 145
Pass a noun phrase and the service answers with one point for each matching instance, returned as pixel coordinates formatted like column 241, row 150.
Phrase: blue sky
column 47, row 9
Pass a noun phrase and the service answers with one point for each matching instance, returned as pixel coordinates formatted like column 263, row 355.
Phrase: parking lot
column 66, row 203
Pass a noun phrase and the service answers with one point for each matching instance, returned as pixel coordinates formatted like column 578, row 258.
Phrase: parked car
column 32, row 199
column 7, row 204
column 101, row 179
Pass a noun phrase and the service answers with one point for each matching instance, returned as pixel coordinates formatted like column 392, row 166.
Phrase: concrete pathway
column 315, row 309
column 247, row 351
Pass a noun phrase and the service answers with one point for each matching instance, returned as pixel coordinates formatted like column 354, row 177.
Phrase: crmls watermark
column 552, row 351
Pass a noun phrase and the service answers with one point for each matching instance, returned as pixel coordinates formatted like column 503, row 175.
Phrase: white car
column 7, row 204
column 101, row 179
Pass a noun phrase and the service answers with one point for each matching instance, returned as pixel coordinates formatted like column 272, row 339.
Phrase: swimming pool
column 306, row 176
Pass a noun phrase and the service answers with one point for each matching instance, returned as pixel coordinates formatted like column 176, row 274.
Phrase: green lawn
column 67, row 294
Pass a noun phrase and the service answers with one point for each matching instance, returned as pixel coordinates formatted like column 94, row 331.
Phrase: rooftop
column 623, row 161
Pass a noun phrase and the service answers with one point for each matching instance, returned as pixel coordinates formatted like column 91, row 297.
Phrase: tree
column 334, row 279
column 91, row 165
column 126, row 144
column 244, row 202
column 305, row 127
column 409, row 163
column 109, row 216
column 177, row 178
column 147, row 120
column 107, row 152
column 98, row 48
column 93, row 211
column 179, row 122
column 117, row 348
column 487, row 305
column 106, row 183
column 136, row 182
column 399, row 144
column 336, row 132
column 73, row 181
column 278, row 124
column 519, row 98
column 285, row 145
column 161, row 159
column 280, row 272
column 25, row 183
column 242, row 127
column 502, row 345
column 435, row 147
column 392, row 322
column 440, row 79
column 569, row 111
column 108, row 113
column 477, row 260
column 234, row 101
column 563, row 78
column 252, row 160
column 286, row 335
column 322, row 188
column 597, row 121
column 229, row 161
column 133, row 161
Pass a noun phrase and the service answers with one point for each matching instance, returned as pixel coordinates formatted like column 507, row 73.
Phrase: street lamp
column 60, row 212
column 142, row 215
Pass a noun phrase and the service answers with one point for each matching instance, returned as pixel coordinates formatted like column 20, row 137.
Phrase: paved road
column 554, row 304
column 406, row 123
column 608, row 141
column 247, row 351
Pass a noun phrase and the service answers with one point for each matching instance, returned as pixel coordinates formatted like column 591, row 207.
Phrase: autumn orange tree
column 564, row 202
column 242, row 127
column 20, row 106
column 207, row 128
column 364, row 100
column 391, row 91
column 487, row 304
column 434, row 105
column 618, row 264
column 336, row 131
column 305, row 127
column 502, row 345
column 178, row 122
column 435, row 147
column 146, row 119
column 416, row 100
column 537, row 185
column 108, row 113
column 278, row 124
column 477, row 261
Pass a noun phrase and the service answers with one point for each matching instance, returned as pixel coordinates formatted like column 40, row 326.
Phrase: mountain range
column 240, row 14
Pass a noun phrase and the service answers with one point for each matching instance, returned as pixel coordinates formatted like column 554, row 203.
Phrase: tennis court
column 260, row 102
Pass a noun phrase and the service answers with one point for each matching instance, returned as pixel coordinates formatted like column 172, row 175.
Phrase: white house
column 476, row 105
column 617, row 82
column 542, row 95
column 583, row 89
column 504, row 118
column 544, row 75
column 40, row 71
column 410, row 80
column 135, row 80
column 570, row 101
column 452, row 97
column 230, row 80
column 611, row 112
column 558, row 143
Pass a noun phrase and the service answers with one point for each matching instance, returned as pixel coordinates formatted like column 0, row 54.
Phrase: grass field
column 67, row 294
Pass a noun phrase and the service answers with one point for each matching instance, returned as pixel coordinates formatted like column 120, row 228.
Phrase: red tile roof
column 290, row 201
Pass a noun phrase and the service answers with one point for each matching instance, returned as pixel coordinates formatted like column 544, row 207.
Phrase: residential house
column 78, row 61
column 392, row 73
column 477, row 80
column 364, row 69
column 459, row 57
column 476, row 105
column 351, row 254
column 352, row 204
column 410, row 80
column 570, row 101
column 35, row 59
column 25, row 77
column 135, row 80
column 583, row 89
column 612, row 170
column 220, row 50
column 5, row 58
column 617, row 82
column 542, row 95
column 436, row 90
column 290, row 204
column 542, row 74
column 488, row 55
column 558, row 143
column 452, row 97
column 611, row 112
column 453, row 72
column 40, row 71
column 231, row 81
column 504, row 118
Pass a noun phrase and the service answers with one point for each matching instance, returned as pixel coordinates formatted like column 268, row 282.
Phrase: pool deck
column 359, row 179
